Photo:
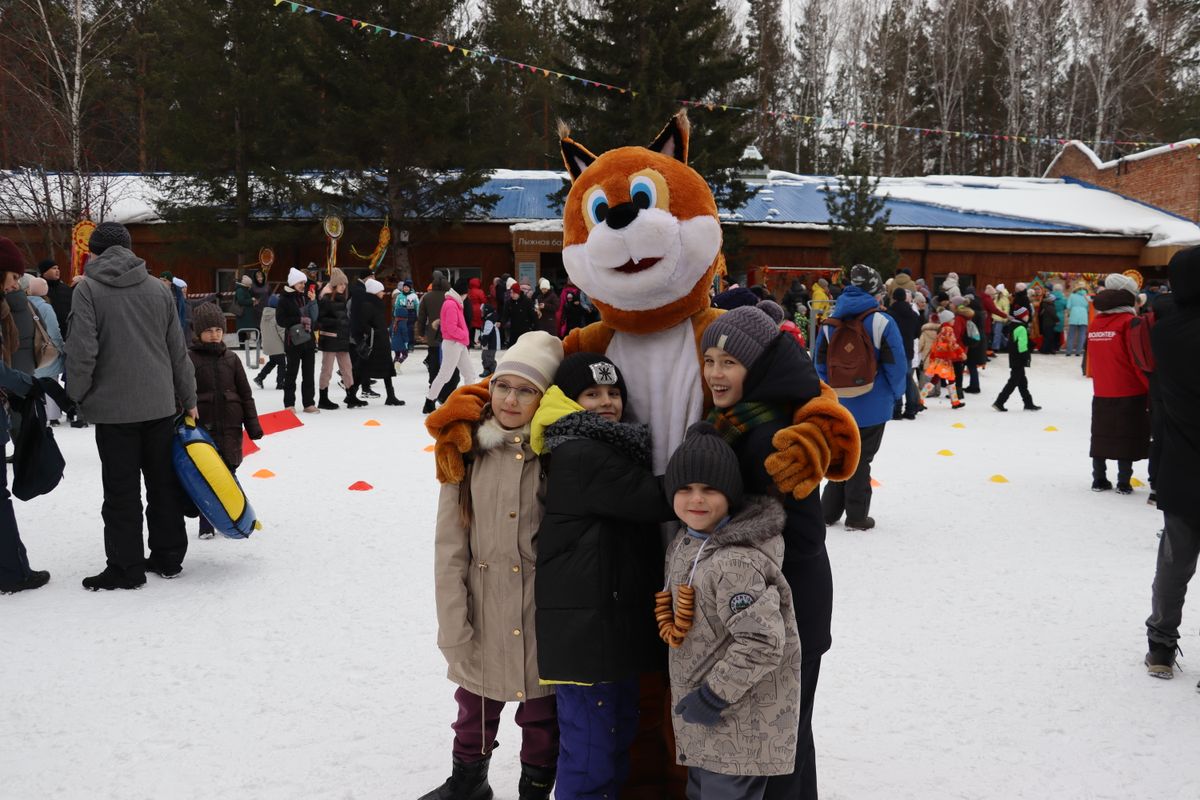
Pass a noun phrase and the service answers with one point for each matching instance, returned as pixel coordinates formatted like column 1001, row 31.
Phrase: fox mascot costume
column 642, row 238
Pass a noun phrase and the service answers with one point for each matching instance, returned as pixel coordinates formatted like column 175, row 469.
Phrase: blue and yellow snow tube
column 210, row 484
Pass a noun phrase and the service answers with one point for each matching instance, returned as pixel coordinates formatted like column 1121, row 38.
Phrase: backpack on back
column 850, row 356
column 1139, row 341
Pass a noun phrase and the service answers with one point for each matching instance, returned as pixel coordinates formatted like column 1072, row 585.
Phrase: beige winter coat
column 743, row 644
column 929, row 332
column 484, row 573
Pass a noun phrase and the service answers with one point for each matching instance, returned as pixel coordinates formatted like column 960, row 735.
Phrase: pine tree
column 771, row 80
column 858, row 219
column 666, row 51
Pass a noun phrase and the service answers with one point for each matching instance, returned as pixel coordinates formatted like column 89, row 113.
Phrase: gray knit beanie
column 704, row 457
column 109, row 234
column 745, row 333
column 772, row 310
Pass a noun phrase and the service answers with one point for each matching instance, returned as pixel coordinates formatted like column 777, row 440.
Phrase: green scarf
column 732, row 423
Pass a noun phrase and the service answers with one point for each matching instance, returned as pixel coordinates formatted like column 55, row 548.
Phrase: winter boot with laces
column 1160, row 660
column 535, row 783
column 466, row 782
column 325, row 404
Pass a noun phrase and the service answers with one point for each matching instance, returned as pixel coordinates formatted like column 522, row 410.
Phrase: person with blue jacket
column 871, row 410
column 1077, row 320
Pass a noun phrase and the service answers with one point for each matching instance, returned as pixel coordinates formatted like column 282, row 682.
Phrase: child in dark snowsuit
column 598, row 567
column 218, row 373
column 1018, row 361
column 489, row 338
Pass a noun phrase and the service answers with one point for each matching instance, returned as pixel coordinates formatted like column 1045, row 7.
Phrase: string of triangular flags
column 374, row 29
column 822, row 122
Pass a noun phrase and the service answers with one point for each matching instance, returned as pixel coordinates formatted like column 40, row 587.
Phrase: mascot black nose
column 621, row 215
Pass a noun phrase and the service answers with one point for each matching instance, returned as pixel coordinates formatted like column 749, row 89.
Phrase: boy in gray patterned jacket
column 735, row 673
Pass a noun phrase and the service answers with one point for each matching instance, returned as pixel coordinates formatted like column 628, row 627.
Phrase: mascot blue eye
column 642, row 192
column 597, row 207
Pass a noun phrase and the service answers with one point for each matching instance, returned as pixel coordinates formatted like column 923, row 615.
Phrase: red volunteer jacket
column 1113, row 371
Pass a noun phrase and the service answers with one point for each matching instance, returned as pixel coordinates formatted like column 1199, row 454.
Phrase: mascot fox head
column 641, row 235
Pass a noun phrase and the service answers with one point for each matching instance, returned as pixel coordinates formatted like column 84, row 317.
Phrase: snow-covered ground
column 988, row 636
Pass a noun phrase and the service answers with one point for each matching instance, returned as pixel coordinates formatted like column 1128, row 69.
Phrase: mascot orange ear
column 673, row 141
column 576, row 157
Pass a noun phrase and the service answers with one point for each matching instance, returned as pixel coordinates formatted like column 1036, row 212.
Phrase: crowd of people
column 556, row 587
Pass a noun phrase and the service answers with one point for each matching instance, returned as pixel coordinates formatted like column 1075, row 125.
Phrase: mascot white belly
column 665, row 390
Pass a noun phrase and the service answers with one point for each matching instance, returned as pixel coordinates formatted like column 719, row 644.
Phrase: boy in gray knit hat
column 739, row 668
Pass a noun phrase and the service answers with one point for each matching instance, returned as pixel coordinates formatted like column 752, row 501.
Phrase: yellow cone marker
column 263, row 473
column 1050, row 428
column 998, row 479
column 958, row 425
column 372, row 423
column 1135, row 482
column 944, row 453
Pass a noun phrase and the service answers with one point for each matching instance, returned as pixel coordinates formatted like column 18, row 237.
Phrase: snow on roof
column 1054, row 201
column 1095, row 159
column 936, row 202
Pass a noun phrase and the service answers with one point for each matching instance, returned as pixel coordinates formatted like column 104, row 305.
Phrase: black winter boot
column 466, row 782
column 325, row 404
column 535, row 783
column 429, row 407
column 352, row 400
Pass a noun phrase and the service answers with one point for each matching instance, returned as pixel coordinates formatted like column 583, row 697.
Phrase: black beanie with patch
column 580, row 371
column 704, row 457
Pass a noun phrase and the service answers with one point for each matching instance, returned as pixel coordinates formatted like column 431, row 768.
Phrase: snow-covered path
column 987, row 636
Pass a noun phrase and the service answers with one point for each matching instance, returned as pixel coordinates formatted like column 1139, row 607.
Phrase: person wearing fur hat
column 296, row 313
column 758, row 378
column 1177, row 387
column 727, row 613
column 125, row 333
column 1018, row 361
column 1120, row 402
column 16, row 575
column 485, row 556
column 598, row 567
column 243, row 303
column 871, row 409
column 333, row 340
column 372, row 338
column 545, row 303
column 223, row 394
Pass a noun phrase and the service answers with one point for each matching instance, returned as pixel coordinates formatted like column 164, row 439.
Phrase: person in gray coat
column 128, row 368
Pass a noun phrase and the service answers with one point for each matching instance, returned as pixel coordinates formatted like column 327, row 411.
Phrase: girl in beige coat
column 484, row 563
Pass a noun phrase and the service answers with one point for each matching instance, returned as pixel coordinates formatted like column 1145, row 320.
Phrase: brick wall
column 1169, row 180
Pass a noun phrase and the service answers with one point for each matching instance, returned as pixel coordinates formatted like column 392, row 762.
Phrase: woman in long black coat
column 371, row 336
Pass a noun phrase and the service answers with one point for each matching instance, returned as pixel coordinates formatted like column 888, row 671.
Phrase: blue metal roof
column 525, row 197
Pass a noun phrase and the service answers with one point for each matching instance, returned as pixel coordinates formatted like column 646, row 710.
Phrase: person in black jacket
column 59, row 294
column 518, row 316
column 333, row 340
column 759, row 376
column 371, row 339
column 1173, row 340
column 296, row 307
column 599, row 563
column 909, row 323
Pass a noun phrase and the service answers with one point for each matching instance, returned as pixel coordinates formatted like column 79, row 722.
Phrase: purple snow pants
column 479, row 719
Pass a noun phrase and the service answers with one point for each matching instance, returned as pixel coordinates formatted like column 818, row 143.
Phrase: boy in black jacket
column 599, row 564
column 1018, row 361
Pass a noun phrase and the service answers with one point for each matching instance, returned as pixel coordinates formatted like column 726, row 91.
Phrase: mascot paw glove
column 452, row 427
column 823, row 442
